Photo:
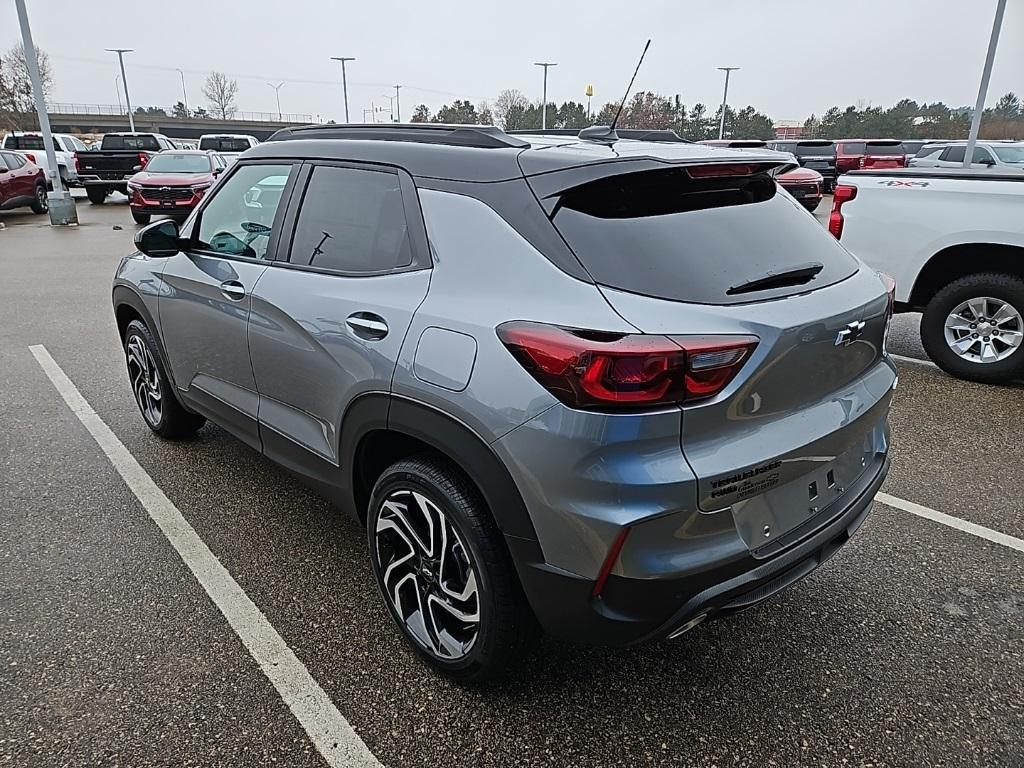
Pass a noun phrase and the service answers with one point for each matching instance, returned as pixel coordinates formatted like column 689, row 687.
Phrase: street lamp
column 725, row 99
column 124, row 81
column 544, row 109
column 986, row 75
column 344, row 80
column 184, row 94
column 277, row 90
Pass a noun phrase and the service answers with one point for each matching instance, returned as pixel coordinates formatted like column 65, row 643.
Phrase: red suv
column 173, row 183
column 21, row 183
column 852, row 154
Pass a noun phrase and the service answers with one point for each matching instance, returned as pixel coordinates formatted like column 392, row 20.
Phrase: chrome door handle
column 367, row 325
column 233, row 289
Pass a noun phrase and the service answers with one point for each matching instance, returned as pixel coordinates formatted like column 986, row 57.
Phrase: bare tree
column 509, row 108
column 221, row 92
column 17, row 108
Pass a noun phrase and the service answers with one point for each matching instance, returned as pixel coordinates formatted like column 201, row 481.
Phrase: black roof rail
column 636, row 134
column 480, row 136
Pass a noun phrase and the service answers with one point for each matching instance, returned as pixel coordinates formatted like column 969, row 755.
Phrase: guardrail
column 114, row 110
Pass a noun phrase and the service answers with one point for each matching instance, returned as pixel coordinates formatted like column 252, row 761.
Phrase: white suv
column 1003, row 155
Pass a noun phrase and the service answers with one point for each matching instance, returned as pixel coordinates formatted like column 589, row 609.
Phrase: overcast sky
column 797, row 56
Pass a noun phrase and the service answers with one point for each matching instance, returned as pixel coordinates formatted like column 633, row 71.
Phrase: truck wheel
column 974, row 328
column 97, row 195
column 443, row 570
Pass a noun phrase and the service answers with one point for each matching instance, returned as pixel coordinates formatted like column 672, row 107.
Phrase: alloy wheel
column 145, row 379
column 42, row 199
column 427, row 574
column 984, row 330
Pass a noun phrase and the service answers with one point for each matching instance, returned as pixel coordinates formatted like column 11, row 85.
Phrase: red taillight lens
column 76, row 163
column 588, row 369
column 843, row 193
column 143, row 159
column 30, row 157
column 609, row 562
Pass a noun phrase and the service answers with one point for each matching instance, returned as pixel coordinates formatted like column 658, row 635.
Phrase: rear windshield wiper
column 798, row 275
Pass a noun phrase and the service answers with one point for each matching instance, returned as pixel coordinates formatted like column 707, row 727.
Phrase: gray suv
column 611, row 388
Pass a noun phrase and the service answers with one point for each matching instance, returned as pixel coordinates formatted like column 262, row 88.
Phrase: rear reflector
column 609, row 562
column 594, row 369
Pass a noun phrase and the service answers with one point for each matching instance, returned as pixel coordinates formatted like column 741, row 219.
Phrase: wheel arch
column 379, row 429
column 128, row 306
column 961, row 260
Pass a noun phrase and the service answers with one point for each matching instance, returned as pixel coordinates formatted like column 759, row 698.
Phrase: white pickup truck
column 64, row 147
column 954, row 241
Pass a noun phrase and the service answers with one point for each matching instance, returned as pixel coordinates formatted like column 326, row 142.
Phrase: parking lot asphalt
column 906, row 649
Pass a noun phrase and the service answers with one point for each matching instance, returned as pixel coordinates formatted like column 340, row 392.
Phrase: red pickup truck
column 854, row 154
column 120, row 156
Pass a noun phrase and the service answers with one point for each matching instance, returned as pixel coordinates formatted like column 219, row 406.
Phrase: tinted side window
column 14, row 161
column 981, row 155
column 953, row 154
column 353, row 221
column 929, row 149
column 239, row 219
column 3, row 162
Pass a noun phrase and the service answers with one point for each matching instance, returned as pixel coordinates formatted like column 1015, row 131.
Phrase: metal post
column 344, row 81
column 986, row 75
column 544, row 108
column 277, row 90
column 117, row 91
column 184, row 93
column 61, row 205
column 398, row 105
column 725, row 100
column 124, row 81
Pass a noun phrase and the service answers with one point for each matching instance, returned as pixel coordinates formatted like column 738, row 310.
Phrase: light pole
column 117, row 91
column 391, row 106
column 398, row 105
column 344, row 80
column 986, row 75
column 124, row 81
column 277, row 90
column 725, row 99
column 544, row 109
column 184, row 93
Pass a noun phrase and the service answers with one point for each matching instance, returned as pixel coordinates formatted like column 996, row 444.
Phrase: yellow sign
column 590, row 90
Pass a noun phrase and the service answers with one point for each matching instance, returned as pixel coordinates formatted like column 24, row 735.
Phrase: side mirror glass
column 136, row 168
column 160, row 239
column 988, row 161
column 218, row 171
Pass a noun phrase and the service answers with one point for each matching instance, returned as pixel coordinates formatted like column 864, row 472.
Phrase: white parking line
column 912, row 360
column 953, row 522
column 331, row 733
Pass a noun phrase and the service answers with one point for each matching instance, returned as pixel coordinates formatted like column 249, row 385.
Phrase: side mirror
column 988, row 161
column 218, row 171
column 160, row 239
column 136, row 168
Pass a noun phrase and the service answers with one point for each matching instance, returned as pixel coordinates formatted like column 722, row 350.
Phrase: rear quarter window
column 662, row 234
column 130, row 142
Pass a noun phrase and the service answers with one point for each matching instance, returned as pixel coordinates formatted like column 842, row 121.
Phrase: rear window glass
column 885, row 148
column 130, row 142
column 805, row 149
column 224, row 144
column 660, row 233
column 27, row 142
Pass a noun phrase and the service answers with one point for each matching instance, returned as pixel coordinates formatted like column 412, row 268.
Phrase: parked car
column 852, row 154
column 615, row 387
column 1007, row 156
column 911, row 147
column 182, row 144
column 229, row 145
column 817, row 154
column 804, row 184
column 64, row 146
column 120, row 156
column 22, row 183
column 173, row 183
column 954, row 241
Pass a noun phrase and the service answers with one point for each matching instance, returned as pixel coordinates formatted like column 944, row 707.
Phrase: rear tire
column 467, row 570
column 141, row 218
column 41, row 203
column 953, row 333
column 152, row 387
column 97, row 195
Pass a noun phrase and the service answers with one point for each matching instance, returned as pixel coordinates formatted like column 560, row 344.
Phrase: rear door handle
column 367, row 325
column 233, row 289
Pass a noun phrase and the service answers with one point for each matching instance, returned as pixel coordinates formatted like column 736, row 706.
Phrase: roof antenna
column 606, row 133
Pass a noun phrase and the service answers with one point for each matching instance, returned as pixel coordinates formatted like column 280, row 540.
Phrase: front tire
column 152, row 387
column 444, row 572
column 41, row 203
column 974, row 328
column 97, row 195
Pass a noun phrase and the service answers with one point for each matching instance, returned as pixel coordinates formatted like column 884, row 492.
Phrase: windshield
column 179, row 162
column 663, row 234
column 224, row 144
column 129, row 142
column 1013, row 154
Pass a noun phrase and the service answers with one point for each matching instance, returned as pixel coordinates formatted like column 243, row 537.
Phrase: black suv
column 818, row 154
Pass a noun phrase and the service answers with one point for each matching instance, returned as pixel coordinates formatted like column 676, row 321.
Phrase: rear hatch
column 802, row 425
column 884, row 154
column 819, row 155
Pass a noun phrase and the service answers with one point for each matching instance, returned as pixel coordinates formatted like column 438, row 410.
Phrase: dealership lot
column 906, row 649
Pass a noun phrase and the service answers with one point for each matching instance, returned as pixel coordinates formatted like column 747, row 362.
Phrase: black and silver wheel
column 974, row 328
column 151, row 387
column 41, row 203
column 443, row 570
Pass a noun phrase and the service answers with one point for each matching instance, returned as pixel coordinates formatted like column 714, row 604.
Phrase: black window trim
column 417, row 230
column 279, row 214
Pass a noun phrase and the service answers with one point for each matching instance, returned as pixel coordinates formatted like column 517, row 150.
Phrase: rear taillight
column 843, row 193
column 590, row 369
column 30, row 157
column 76, row 163
column 143, row 159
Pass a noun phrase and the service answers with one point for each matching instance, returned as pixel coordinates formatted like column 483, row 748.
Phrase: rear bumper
column 632, row 610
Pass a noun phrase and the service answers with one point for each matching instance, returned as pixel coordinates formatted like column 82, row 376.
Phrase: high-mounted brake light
column 608, row 371
column 718, row 170
column 843, row 193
